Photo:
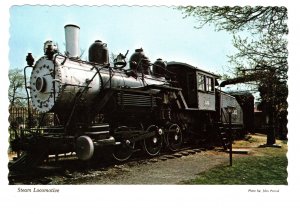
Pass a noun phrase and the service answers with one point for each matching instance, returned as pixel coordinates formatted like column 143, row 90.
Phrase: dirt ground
column 154, row 171
column 166, row 169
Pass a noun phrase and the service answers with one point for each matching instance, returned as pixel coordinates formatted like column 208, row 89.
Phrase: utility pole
column 230, row 110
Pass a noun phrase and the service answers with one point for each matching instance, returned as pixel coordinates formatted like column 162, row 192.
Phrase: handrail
column 222, row 113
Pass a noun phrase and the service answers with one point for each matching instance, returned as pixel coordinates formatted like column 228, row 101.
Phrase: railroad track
column 65, row 165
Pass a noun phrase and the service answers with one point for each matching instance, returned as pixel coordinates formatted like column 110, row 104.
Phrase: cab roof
column 182, row 64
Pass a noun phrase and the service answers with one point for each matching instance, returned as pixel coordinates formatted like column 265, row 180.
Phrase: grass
column 265, row 166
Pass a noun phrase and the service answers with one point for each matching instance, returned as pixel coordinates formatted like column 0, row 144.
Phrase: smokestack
column 72, row 40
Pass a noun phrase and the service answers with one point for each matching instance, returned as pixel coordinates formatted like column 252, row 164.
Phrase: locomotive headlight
column 50, row 48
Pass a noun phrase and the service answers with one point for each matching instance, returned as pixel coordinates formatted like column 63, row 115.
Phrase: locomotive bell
column 119, row 61
column 98, row 52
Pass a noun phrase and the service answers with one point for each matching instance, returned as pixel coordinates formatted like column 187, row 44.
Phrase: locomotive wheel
column 174, row 137
column 124, row 150
column 153, row 145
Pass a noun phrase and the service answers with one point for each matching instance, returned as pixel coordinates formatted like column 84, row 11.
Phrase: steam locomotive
column 120, row 108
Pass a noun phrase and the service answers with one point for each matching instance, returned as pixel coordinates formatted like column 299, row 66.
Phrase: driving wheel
column 153, row 145
column 124, row 149
column 174, row 137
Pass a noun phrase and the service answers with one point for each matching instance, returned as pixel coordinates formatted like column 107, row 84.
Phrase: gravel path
column 161, row 170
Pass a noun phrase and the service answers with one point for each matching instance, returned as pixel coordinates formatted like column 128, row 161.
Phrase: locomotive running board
column 177, row 92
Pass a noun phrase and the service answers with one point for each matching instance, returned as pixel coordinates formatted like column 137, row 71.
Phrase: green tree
column 263, row 57
column 16, row 90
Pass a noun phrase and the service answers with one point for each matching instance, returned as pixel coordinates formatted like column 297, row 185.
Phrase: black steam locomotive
column 121, row 108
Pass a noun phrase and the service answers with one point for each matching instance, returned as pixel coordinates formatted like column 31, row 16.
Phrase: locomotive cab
column 198, row 85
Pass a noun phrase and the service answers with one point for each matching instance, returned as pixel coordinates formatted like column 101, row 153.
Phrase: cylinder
column 72, row 40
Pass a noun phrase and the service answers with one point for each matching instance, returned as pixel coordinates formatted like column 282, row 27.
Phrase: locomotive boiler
column 118, row 108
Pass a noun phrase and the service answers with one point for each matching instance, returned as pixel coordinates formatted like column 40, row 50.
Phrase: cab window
column 201, row 82
column 209, row 84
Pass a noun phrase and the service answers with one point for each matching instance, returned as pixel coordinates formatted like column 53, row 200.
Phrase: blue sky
column 29, row 27
column 160, row 31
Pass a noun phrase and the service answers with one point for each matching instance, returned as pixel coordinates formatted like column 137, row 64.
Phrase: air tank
column 98, row 52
